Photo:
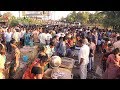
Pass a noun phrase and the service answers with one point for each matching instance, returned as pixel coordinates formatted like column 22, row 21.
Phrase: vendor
column 15, row 56
column 36, row 69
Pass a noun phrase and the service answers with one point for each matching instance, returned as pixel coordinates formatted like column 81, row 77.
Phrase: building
column 37, row 14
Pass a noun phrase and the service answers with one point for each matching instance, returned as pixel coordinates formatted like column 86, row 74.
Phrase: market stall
column 64, row 71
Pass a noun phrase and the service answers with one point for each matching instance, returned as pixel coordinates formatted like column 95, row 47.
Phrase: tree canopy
column 103, row 18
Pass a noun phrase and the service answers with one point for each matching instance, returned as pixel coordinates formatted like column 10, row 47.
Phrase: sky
column 55, row 15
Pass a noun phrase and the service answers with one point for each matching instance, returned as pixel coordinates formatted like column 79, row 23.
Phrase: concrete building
column 37, row 14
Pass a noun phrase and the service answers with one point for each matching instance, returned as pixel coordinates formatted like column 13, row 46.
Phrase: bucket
column 25, row 58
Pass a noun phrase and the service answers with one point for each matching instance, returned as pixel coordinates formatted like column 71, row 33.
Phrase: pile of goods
column 61, row 68
column 67, row 63
column 61, row 73
column 31, row 52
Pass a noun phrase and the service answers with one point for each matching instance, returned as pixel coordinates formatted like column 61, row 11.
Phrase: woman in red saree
column 113, row 65
column 36, row 69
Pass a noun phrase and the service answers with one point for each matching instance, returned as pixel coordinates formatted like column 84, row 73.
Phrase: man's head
column 42, row 48
column 43, row 59
column 80, row 42
column 52, row 44
column 8, row 30
column 118, row 38
column 13, row 42
column 61, row 39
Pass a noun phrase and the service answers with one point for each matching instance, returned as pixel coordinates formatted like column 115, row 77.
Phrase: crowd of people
column 61, row 41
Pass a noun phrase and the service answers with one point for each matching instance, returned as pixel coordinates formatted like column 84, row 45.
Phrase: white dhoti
column 83, row 71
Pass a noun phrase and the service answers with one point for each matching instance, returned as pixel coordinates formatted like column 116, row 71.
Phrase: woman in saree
column 36, row 69
column 112, row 65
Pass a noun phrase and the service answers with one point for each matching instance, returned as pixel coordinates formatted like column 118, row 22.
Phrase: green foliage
column 14, row 22
column 84, row 17
column 71, row 17
column 103, row 18
column 112, row 19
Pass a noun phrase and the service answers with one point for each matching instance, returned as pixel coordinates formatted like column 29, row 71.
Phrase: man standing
column 42, row 38
column 49, row 36
column 8, row 37
column 83, row 57
column 35, row 34
column 16, row 36
column 117, row 43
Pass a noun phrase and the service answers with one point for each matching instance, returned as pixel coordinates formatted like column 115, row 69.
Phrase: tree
column 82, row 17
column 62, row 19
column 7, row 15
column 85, row 17
column 96, row 18
column 14, row 22
column 72, row 17
column 112, row 19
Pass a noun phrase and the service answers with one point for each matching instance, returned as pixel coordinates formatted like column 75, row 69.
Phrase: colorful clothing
column 2, row 63
column 27, row 39
column 28, row 74
column 112, row 69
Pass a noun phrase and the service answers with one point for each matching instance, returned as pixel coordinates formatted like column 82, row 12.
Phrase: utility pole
column 19, row 13
column 0, row 13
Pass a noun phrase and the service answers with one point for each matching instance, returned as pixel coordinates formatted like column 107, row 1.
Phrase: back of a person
column 92, row 46
column 42, row 38
column 35, row 35
column 8, row 36
column 22, row 33
column 48, row 51
column 111, row 70
column 117, row 44
column 48, row 37
column 86, row 51
column 16, row 36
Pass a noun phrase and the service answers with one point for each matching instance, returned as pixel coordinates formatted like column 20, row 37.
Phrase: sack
column 99, row 71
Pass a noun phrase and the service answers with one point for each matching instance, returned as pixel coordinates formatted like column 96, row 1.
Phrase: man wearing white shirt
column 83, row 57
column 42, row 37
column 49, row 36
column 16, row 36
column 50, row 49
column 8, row 37
column 22, row 33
